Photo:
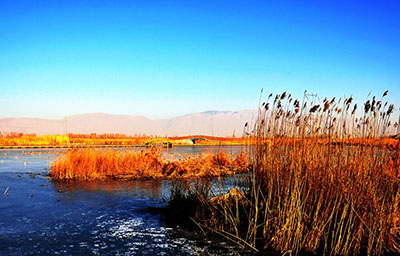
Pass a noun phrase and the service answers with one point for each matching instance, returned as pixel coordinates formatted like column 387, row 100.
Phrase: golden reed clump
column 326, row 180
column 91, row 164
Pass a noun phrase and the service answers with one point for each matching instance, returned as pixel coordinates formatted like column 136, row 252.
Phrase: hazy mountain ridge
column 215, row 123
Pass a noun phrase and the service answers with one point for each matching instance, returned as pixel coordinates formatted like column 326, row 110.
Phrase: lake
column 40, row 216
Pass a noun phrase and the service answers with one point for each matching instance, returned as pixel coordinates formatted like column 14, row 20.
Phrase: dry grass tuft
column 91, row 164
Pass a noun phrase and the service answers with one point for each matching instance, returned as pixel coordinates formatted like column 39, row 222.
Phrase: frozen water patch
column 103, row 218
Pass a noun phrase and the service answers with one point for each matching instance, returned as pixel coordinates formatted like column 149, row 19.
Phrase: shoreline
column 108, row 146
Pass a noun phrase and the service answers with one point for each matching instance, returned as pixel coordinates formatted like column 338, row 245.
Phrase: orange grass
column 92, row 164
column 81, row 140
column 326, row 180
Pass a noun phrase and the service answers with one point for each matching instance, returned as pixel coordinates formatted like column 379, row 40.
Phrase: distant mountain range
column 214, row 123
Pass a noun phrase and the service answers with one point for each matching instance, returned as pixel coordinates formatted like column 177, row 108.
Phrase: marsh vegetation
column 90, row 164
column 325, row 180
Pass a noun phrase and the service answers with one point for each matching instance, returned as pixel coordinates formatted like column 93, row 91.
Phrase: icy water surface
column 38, row 216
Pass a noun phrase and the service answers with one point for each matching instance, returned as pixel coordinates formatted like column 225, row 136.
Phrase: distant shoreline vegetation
column 12, row 140
column 21, row 140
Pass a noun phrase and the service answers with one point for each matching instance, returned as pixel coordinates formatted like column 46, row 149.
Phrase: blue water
column 39, row 216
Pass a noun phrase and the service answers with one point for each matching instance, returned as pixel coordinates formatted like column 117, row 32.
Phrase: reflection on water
column 135, row 188
column 38, row 216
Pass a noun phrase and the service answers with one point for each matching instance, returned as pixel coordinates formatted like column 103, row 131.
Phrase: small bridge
column 199, row 138
column 194, row 139
column 171, row 141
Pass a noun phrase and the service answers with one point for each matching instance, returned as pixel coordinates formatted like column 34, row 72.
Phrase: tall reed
column 324, row 181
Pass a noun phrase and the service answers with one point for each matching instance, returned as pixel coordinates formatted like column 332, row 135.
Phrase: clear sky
column 60, row 58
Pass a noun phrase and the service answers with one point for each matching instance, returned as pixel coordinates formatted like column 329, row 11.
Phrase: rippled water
column 38, row 216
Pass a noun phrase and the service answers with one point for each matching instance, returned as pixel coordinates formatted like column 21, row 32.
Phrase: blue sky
column 60, row 58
